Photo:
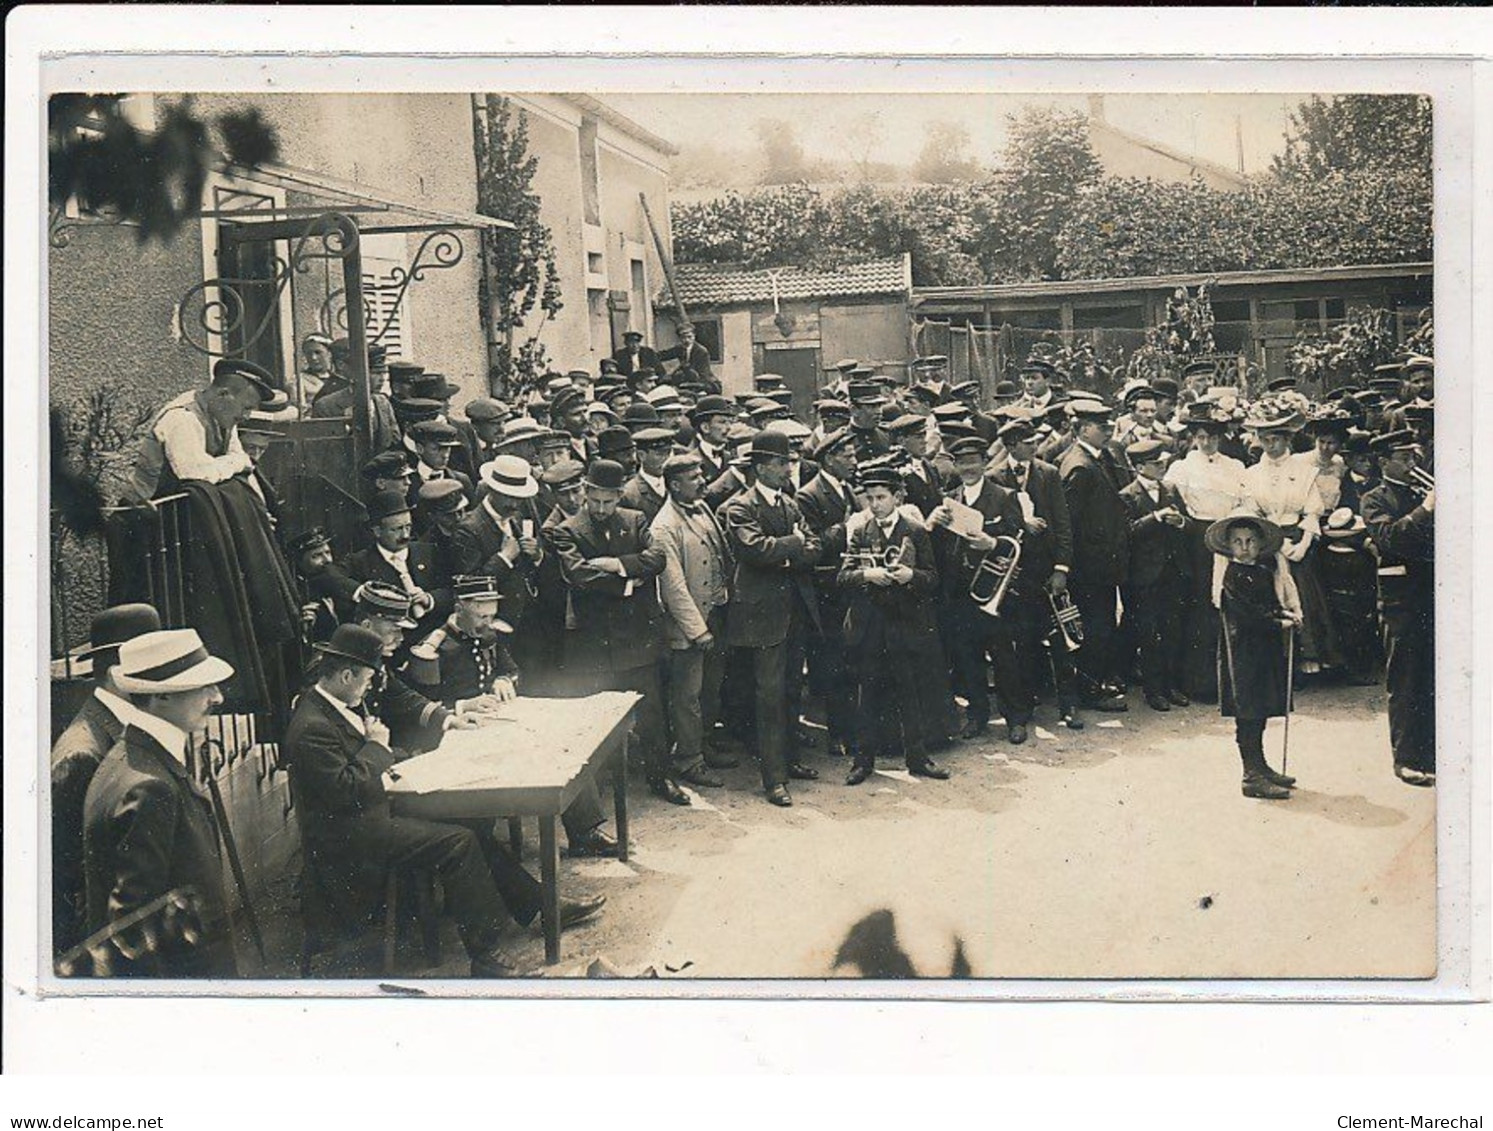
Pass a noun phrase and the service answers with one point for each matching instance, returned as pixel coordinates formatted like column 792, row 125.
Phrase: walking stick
column 1285, row 742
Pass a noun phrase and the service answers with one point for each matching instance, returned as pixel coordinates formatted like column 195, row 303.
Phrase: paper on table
column 457, row 769
column 967, row 520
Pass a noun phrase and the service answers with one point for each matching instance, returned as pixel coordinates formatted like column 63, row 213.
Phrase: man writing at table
column 338, row 760
column 465, row 665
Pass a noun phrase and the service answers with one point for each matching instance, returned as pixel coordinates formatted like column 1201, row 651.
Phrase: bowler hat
column 640, row 414
column 168, row 661
column 769, row 445
column 711, row 405
column 605, row 475
column 115, row 625
column 614, row 441
column 386, row 504
column 356, row 643
column 1006, row 389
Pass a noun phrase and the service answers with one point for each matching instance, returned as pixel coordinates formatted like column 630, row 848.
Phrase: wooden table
column 532, row 761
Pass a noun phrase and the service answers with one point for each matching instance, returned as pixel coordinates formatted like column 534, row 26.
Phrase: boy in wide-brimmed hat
column 1259, row 609
column 148, row 828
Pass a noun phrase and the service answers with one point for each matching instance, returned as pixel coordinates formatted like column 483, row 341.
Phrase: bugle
column 1065, row 615
column 995, row 573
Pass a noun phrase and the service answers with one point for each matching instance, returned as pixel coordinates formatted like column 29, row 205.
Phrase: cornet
column 887, row 558
column 1065, row 615
column 1422, row 480
column 993, row 577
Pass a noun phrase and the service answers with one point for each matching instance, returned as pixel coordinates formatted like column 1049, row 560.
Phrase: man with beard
column 568, row 417
column 396, row 558
column 327, row 594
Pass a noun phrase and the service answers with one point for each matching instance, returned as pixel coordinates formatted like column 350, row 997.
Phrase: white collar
column 345, row 711
column 656, row 483
column 888, row 524
column 169, row 735
column 769, row 495
column 426, row 471
column 393, row 557
column 971, row 492
column 122, row 709
column 1151, row 487
column 1093, row 451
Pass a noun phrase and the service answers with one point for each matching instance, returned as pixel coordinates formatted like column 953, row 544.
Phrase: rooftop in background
column 704, row 284
column 620, row 121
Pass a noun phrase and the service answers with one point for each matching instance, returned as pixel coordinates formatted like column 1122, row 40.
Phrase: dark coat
column 336, row 780
column 698, row 359
column 774, row 567
column 466, row 668
column 1158, row 552
column 639, row 496
column 826, row 510
column 148, row 829
column 647, row 358
column 711, row 468
column 807, row 470
column 1044, row 552
column 614, row 631
column 1252, row 647
column 428, row 573
column 475, row 548
column 897, row 618
column 925, row 493
column 1404, row 533
column 75, row 759
column 451, row 471
column 725, row 487
column 1353, row 492
column 1100, row 528
column 958, row 561
column 415, row 721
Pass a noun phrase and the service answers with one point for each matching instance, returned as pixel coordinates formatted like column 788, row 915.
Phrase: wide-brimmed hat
column 168, row 661
column 509, row 475
column 1329, row 420
column 1272, row 416
column 1217, row 536
column 356, row 643
column 1417, row 362
column 118, row 624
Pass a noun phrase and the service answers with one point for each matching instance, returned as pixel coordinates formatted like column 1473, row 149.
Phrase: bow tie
column 1018, row 469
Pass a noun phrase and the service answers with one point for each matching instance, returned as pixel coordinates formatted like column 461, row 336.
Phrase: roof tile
column 704, row 284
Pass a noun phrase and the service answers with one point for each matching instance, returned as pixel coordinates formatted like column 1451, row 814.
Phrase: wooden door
column 799, row 368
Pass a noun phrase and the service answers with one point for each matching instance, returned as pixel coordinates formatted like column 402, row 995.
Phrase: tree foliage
column 1348, row 351
column 1047, row 163
column 782, row 153
column 151, row 179
column 944, row 158
column 520, row 276
column 1357, row 133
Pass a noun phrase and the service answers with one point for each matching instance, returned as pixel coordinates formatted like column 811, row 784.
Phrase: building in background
column 1123, row 153
column 794, row 321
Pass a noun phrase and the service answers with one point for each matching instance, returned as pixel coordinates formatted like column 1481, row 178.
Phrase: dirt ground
column 1120, row 851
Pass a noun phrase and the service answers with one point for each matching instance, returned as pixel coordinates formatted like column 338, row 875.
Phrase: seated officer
column 337, row 759
column 466, row 666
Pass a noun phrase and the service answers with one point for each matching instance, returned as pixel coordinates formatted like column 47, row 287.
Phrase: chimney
column 1096, row 107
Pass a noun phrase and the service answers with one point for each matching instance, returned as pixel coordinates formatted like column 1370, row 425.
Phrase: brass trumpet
column 1422, row 480
column 1069, row 623
column 995, row 573
column 887, row 558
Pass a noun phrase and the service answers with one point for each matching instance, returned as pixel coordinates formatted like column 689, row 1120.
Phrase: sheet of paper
column 967, row 520
column 1113, row 724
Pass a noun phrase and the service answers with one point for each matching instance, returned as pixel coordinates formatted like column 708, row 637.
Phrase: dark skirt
column 1252, row 679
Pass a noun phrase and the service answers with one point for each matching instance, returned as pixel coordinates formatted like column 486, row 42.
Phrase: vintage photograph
column 679, row 536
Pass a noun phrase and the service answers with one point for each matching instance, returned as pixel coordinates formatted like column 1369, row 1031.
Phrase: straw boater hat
column 169, row 661
column 520, row 429
column 1343, row 523
column 509, row 475
column 1217, row 536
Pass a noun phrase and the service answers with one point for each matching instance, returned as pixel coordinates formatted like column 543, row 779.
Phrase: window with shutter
column 385, row 260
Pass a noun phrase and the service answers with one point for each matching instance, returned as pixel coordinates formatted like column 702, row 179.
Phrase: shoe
column 1070, row 719
column 927, row 768
column 1259, row 786
column 1279, row 779
column 1112, row 703
column 1414, row 777
column 799, row 772
column 668, row 789
column 859, row 773
column 594, row 843
column 573, row 912
column 1178, row 699
column 1157, row 702
column 1016, row 734
column 778, row 795
column 491, row 965
column 973, row 729
column 700, row 776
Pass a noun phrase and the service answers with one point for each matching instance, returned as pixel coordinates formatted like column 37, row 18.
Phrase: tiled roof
column 703, row 284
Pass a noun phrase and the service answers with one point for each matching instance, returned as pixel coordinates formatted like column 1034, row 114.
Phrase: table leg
column 516, row 837
column 549, row 879
column 619, row 797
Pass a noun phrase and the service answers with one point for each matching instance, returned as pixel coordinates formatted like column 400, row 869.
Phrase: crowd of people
column 911, row 568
